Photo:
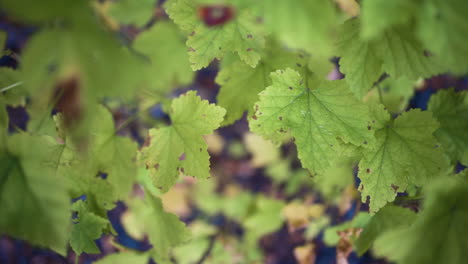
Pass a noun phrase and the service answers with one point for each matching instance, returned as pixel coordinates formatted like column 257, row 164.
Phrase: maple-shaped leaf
column 240, row 84
column 86, row 228
column 396, row 52
column 302, row 24
column 169, row 64
column 136, row 12
column 388, row 218
column 105, row 152
column 165, row 231
column 180, row 146
column 316, row 112
column 241, row 34
column 439, row 231
column 451, row 110
column 406, row 153
column 441, row 25
column 34, row 202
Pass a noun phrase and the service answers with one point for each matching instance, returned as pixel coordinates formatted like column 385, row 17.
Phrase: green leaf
column 112, row 154
column 124, row 258
column 266, row 218
column 396, row 52
column 242, row 35
column 30, row 210
column 13, row 92
column 330, row 235
column 443, row 27
column 451, row 110
column 394, row 94
column 4, row 120
column 38, row 12
column 3, row 39
column 86, row 228
column 302, row 24
column 406, row 153
column 240, row 84
column 165, row 231
column 136, row 12
column 169, row 63
column 438, row 233
column 316, row 112
column 335, row 179
column 388, row 218
column 380, row 15
column 180, row 147
column 87, row 58
column 105, row 152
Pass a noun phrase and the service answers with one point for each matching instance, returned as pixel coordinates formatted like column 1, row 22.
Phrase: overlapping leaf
column 316, row 113
column 451, row 110
column 136, row 12
column 105, row 153
column 302, row 24
column 390, row 217
column 86, row 228
column 180, row 147
column 164, row 230
column 29, row 209
column 242, row 34
column 396, row 52
column 169, row 63
column 406, row 153
column 124, row 258
column 440, row 24
column 438, row 233
column 240, row 84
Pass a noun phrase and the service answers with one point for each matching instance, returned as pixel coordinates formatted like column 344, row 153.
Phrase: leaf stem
column 4, row 89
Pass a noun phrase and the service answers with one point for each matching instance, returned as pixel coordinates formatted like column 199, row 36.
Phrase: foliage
column 356, row 142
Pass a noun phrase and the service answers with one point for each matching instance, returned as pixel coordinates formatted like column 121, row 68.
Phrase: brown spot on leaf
column 249, row 49
column 254, row 117
column 280, row 118
column 394, row 187
column 249, row 36
column 67, row 94
column 369, row 127
column 368, row 170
